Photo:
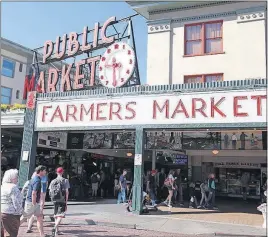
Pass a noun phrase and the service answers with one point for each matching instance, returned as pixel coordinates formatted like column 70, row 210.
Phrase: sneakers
column 29, row 231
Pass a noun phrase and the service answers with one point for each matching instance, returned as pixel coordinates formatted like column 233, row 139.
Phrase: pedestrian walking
column 169, row 183
column 11, row 203
column 178, row 192
column 212, row 190
column 25, row 188
column 161, row 180
column 123, row 186
column 34, row 200
column 95, row 178
column 193, row 200
column 59, row 194
column 204, row 198
column 245, row 183
column 24, row 191
column 151, row 187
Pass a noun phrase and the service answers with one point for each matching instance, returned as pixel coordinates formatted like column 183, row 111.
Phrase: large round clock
column 117, row 65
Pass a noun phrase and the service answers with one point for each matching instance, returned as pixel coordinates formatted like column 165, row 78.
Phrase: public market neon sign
column 65, row 47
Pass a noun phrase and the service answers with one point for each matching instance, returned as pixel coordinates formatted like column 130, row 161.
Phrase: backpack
column 57, row 191
column 26, row 189
column 94, row 179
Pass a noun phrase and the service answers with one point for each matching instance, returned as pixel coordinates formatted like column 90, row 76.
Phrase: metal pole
column 134, row 47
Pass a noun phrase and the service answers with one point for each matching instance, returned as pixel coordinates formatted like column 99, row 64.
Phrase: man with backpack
column 34, row 200
column 59, row 193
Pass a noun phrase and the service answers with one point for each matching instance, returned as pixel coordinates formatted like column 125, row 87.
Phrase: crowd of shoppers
column 19, row 206
column 169, row 189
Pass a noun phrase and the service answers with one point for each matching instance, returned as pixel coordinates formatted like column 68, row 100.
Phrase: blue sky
column 32, row 23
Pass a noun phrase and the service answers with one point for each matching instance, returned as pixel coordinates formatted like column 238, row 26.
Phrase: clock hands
column 115, row 65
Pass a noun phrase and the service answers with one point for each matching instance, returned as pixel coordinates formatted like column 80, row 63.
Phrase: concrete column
column 138, row 172
column 29, row 143
column 159, row 62
column 153, row 159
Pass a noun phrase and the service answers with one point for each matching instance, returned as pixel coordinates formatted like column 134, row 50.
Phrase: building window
column 203, row 38
column 17, row 94
column 6, row 94
column 20, row 68
column 8, row 68
column 203, row 78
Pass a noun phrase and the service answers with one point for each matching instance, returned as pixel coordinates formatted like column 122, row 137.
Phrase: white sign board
column 25, row 155
column 55, row 140
column 198, row 108
column 138, row 159
column 248, row 165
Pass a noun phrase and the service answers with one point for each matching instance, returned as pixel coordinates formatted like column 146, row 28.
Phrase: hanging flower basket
column 13, row 108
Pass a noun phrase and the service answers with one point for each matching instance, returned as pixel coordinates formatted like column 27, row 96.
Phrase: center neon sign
column 65, row 47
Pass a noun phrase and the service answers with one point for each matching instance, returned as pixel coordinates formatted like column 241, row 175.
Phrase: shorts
column 95, row 186
column 169, row 187
column 31, row 209
column 44, row 187
column 59, row 209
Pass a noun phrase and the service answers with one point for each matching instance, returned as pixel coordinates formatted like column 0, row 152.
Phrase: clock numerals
column 129, row 52
column 109, row 51
column 116, row 46
column 106, row 82
column 122, row 79
column 127, row 71
column 103, row 59
column 101, row 77
column 130, row 61
column 100, row 68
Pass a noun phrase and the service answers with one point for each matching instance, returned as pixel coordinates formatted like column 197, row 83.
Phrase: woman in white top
column 169, row 183
column 11, row 202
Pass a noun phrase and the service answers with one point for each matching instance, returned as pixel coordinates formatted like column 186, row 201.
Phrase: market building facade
column 214, row 126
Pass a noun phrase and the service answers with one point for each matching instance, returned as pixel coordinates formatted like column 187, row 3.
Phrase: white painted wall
column 243, row 45
column 17, row 82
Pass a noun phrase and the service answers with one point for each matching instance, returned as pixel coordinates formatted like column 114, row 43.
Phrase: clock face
column 116, row 65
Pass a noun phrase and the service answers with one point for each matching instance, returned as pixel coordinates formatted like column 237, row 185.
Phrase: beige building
column 204, row 42
column 15, row 59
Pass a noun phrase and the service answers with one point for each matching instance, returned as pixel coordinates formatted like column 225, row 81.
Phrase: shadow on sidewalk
column 230, row 235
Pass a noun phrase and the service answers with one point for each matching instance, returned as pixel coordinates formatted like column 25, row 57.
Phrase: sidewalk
column 179, row 220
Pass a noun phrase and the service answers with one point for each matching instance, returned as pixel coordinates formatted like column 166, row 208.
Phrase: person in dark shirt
column 178, row 194
column 160, row 185
column 212, row 191
column 151, row 186
column 33, row 199
column 123, row 186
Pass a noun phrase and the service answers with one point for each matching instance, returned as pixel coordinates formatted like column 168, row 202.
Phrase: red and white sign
column 117, row 65
column 202, row 108
column 31, row 100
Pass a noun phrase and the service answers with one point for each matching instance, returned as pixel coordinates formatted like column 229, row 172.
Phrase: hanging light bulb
column 129, row 154
column 215, row 152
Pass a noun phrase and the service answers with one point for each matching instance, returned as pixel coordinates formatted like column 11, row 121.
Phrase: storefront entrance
column 159, row 120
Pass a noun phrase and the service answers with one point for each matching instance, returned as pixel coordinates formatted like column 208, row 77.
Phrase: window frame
column 13, row 70
column 11, row 92
column 203, row 38
column 203, row 76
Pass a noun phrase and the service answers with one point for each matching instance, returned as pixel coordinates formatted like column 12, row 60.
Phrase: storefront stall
column 163, row 111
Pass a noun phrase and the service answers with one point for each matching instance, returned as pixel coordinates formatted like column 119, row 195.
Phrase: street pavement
column 71, row 230
column 105, row 214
